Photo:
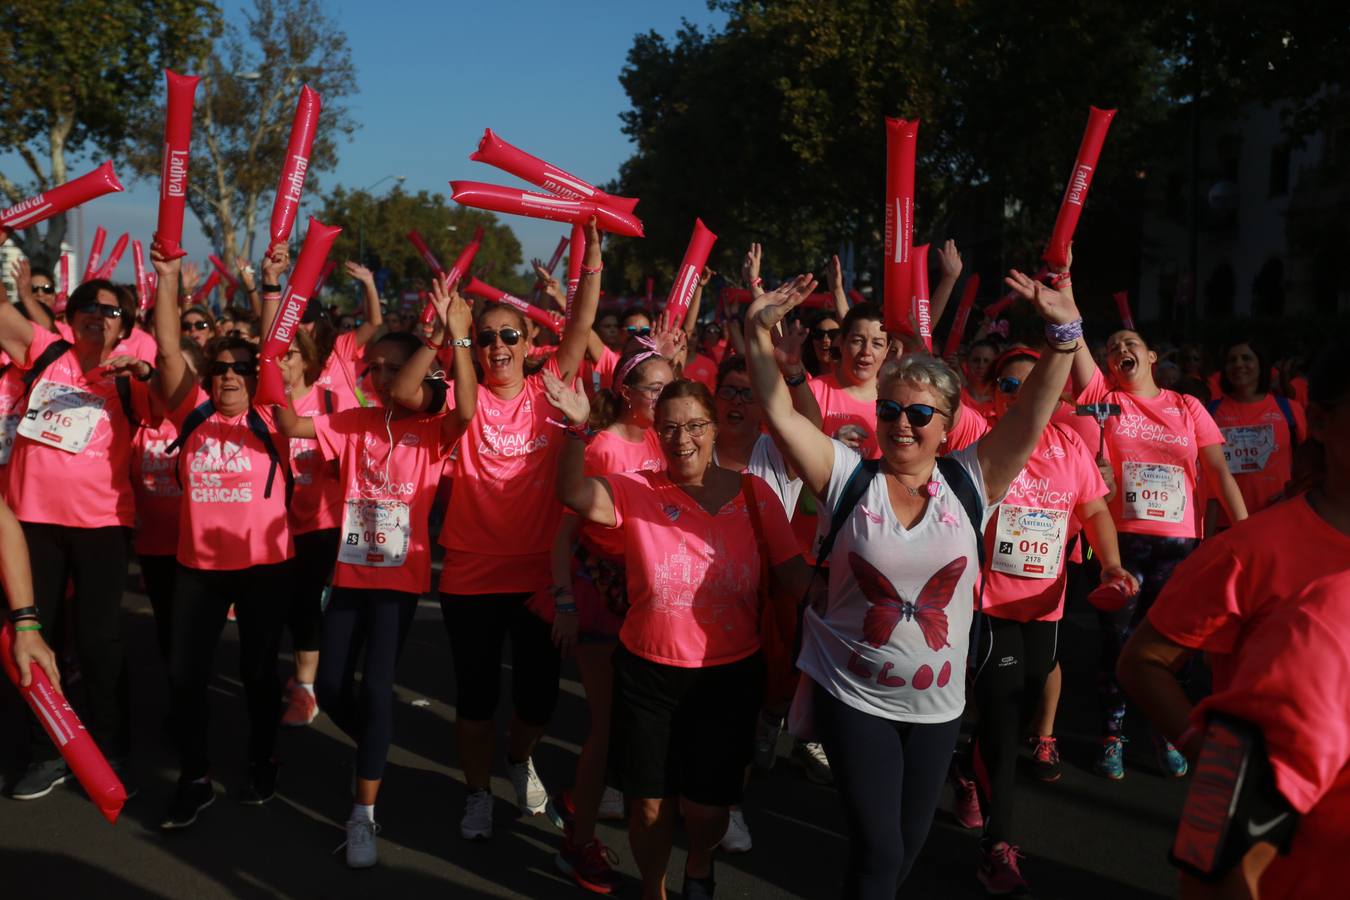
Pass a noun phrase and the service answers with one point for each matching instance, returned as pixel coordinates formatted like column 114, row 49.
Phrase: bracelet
column 566, row 609
column 796, row 380
column 149, row 373
column 578, row 433
column 273, row 295
column 465, row 342
column 434, row 346
column 756, row 281
column 1059, row 280
column 587, row 270
column 561, row 590
column 1072, row 349
column 1062, row 334
column 24, row 612
column 36, row 626
column 271, row 289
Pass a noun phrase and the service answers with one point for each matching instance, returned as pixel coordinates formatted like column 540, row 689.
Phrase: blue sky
column 432, row 76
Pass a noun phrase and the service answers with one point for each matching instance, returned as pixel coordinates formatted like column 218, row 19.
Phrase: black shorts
column 680, row 732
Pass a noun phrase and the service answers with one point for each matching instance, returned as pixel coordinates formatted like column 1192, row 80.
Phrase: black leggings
column 377, row 621
column 889, row 775
column 477, row 625
column 96, row 560
column 158, row 572
column 1017, row 658
column 315, row 557
column 201, row 599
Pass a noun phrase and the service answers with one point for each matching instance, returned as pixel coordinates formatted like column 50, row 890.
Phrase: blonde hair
column 922, row 370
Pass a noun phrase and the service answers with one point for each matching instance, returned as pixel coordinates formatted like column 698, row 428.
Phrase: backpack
column 1285, row 410
column 55, row 350
column 257, row 426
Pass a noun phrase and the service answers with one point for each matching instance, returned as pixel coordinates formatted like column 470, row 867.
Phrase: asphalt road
column 1084, row 837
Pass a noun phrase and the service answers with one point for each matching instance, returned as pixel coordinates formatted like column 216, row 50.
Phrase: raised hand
column 458, row 317
column 834, row 276
column 569, row 401
column 439, row 296
column 750, row 266
column 192, row 276
column 705, row 276
column 276, row 262
column 23, row 279
column 165, row 268
column 1055, row 306
column 355, row 270
column 551, row 286
column 949, row 258
column 787, row 347
column 772, row 307
column 245, row 269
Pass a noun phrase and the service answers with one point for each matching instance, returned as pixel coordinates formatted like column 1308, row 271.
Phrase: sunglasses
column 1009, row 385
column 824, row 334
column 196, row 325
column 100, row 309
column 640, row 332
column 712, row 329
column 727, row 392
column 44, row 289
column 242, row 368
column 670, row 431
column 919, row 414
column 510, row 337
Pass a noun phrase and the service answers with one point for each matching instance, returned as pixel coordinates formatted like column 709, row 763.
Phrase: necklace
column 930, row 488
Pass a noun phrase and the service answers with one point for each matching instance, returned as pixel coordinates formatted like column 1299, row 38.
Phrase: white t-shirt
column 893, row 638
column 766, row 461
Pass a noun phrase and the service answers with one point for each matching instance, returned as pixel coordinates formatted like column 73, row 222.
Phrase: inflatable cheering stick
column 95, row 251
column 231, row 283
column 550, row 320
column 292, row 183
column 496, row 152
column 173, row 185
column 313, row 253
column 1122, row 299
column 457, row 272
column 921, row 310
column 968, row 292
column 109, row 265
column 552, row 265
column 495, row 198
column 420, row 244
column 691, row 267
column 1075, row 193
column 576, row 252
column 78, row 749
column 898, row 282
column 41, row 207
column 145, row 298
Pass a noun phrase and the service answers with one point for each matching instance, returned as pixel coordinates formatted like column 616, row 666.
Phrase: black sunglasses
column 100, row 309
column 44, row 288
column 1009, row 385
column 919, row 414
column 640, row 332
column 824, row 334
column 510, row 337
column 196, row 325
column 242, row 368
column 727, row 392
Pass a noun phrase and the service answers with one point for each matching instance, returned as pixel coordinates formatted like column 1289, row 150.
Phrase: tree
column 245, row 104
column 77, row 76
column 375, row 228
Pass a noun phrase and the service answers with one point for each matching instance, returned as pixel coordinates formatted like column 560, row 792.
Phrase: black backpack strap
column 190, row 424
column 854, row 489
column 259, row 429
column 328, row 402
column 1288, row 412
column 961, row 484
column 1213, row 406
column 123, row 385
column 54, row 351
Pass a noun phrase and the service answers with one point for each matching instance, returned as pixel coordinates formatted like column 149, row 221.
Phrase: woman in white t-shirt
column 884, row 658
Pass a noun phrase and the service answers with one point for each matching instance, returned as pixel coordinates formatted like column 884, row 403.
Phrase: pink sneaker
column 301, row 709
column 999, row 873
column 967, row 805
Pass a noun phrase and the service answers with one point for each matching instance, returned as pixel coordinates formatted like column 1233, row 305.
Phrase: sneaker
column 611, row 805
column 477, row 822
column 998, row 871
column 1045, row 759
column 531, row 797
column 190, row 798
column 767, row 731
column 40, row 779
column 360, row 844
column 262, row 783
column 1170, row 758
column 301, row 709
column 966, row 805
column 737, row 838
column 591, row 866
column 811, row 757
column 1111, row 761
column 700, row 888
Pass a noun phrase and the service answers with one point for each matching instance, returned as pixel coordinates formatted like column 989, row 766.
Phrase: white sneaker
column 811, row 757
column 611, row 804
column 361, row 843
column 767, row 730
column 737, row 838
column 477, row 822
column 530, row 794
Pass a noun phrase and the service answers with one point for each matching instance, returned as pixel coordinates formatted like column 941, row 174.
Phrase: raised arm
column 23, row 284
column 1005, row 450
column 293, row 425
column 248, row 280
column 409, row 388
column 458, row 318
column 950, row 261
column 807, row 450
column 750, row 270
column 572, row 347
column 274, row 265
column 16, row 332
column 787, row 352
column 589, row 498
column 175, row 379
column 834, row 278
column 374, row 318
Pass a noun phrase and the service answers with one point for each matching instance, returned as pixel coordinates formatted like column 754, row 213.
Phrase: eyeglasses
column 238, row 333
column 919, row 414
column 1009, row 385
column 640, row 332
column 727, row 392
column 242, row 368
column 650, row 391
column 100, row 309
column 44, row 288
column 670, row 431
column 510, row 337
column 196, row 325
column 824, row 334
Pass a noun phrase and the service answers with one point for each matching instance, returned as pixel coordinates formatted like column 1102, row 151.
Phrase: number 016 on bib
column 374, row 533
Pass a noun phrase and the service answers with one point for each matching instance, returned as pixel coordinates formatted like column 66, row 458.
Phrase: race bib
column 1154, row 492
column 1246, row 448
column 1029, row 542
column 61, row 416
column 9, row 426
column 375, row 533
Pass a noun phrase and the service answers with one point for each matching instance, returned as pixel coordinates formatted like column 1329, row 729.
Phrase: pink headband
column 636, row 360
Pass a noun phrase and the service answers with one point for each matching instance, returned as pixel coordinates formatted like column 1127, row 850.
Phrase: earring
column 944, row 439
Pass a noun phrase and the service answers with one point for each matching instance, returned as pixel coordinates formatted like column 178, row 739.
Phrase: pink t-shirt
column 1155, row 446
column 607, row 454
column 226, row 522
column 844, row 417
column 503, row 510
column 86, row 489
column 385, row 543
column 316, row 503
column 702, row 369
column 983, row 407
column 1289, row 681
column 140, row 344
column 1025, row 541
column 12, row 409
column 339, row 372
column 1258, row 448
column 1085, row 427
column 154, row 478
column 602, row 372
column 970, row 427
column 693, row 578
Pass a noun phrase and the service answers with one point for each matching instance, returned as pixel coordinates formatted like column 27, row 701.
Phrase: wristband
column 1071, row 349
column 271, row 295
column 25, row 612
column 149, row 373
column 432, row 344
column 796, row 380
column 36, row 626
column 587, row 270
column 565, row 609
column 756, row 281
column 271, row 289
column 560, row 590
column 1059, row 280
column 1063, row 334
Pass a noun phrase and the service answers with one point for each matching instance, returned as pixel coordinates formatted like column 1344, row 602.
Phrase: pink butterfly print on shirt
column 888, row 608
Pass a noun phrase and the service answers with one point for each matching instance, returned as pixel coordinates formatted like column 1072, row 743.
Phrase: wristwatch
column 462, row 342
column 796, row 380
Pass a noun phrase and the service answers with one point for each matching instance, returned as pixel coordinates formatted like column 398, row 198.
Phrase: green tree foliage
column 375, row 228
column 76, row 76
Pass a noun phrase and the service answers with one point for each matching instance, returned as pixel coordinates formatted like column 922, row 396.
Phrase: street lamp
column 361, row 226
